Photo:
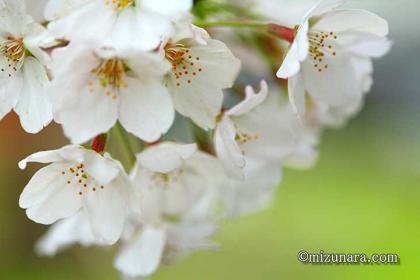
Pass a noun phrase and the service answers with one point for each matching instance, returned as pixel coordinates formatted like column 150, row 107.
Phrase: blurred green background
column 362, row 197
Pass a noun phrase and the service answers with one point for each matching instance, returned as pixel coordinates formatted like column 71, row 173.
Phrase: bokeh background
column 363, row 195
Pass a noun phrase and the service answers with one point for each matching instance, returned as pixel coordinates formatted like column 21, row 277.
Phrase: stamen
column 118, row 5
column 320, row 45
column 184, row 63
column 14, row 51
column 110, row 77
column 82, row 184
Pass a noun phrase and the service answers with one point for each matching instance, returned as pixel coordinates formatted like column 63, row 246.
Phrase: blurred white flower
column 65, row 233
column 262, row 129
column 201, row 69
column 79, row 180
column 92, row 88
column 117, row 23
column 173, row 182
column 329, row 55
column 254, row 193
column 23, row 74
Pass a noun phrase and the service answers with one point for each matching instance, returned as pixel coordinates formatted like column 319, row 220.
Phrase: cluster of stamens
column 110, row 76
column 243, row 138
column 77, row 176
column 14, row 51
column 184, row 63
column 320, row 45
column 118, row 5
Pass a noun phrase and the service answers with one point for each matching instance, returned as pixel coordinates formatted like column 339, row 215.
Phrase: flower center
column 14, row 52
column 185, row 66
column 321, row 44
column 109, row 77
column 118, row 5
column 76, row 176
column 243, row 138
column 165, row 179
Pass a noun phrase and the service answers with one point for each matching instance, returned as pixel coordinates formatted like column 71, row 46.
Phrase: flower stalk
column 99, row 143
column 279, row 31
column 125, row 144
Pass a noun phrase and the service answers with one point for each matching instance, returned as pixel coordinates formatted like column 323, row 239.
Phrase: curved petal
column 11, row 87
column 297, row 94
column 106, row 211
column 172, row 9
column 102, row 169
column 34, row 107
column 61, row 201
column 93, row 114
column 297, row 53
column 67, row 153
column 341, row 21
column 252, row 100
column 39, row 186
column 219, row 67
column 146, row 108
column 227, row 149
column 335, row 85
column 324, row 6
column 165, row 157
column 65, row 233
column 142, row 257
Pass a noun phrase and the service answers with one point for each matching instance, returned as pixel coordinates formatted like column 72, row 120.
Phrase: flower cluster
column 176, row 144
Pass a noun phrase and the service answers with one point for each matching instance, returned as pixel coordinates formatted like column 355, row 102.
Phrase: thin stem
column 279, row 31
column 125, row 144
column 229, row 23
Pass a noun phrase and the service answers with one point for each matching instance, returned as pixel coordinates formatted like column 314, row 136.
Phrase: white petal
column 61, row 201
column 165, row 157
column 102, row 169
column 142, row 257
column 219, row 66
column 146, row 108
column 93, row 114
column 252, row 100
column 227, row 149
column 334, row 86
column 297, row 53
column 136, row 30
column 297, row 94
column 10, row 89
column 58, row 8
column 365, row 44
column 341, row 21
column 34, row 107
column 324, row 6
column 255, row 192
column 38, row 187
column 65, row 233
column 200, row 103
column 106, row 211
column 67, row 153
column 171, row 9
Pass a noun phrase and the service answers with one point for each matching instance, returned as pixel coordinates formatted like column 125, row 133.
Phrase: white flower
column 173, row 182
column 264, row 130
column 329, row 54
column 23, row 75
column 117, row 23
column 201, row 68
column 65, row 233
column 79, row 180
column 255, row 192
column 93, row 88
